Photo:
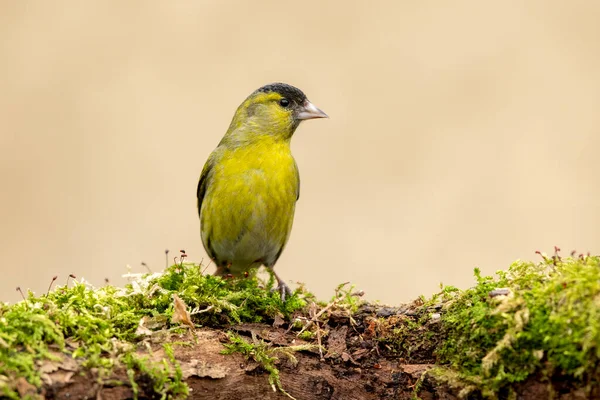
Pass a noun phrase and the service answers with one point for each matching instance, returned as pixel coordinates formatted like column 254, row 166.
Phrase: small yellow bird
column 249, row 185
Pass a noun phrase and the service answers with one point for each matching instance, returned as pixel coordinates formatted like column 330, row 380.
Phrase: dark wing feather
column 298, row 175
column 203, row 182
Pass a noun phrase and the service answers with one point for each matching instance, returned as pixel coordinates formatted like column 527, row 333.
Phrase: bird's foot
column 283, row 290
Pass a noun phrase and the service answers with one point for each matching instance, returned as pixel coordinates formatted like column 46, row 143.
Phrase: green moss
column 216, row 301
column 164, row 379
column 259, row 352
column 548, row 324
column 537, row 320
column 307, row 335
column 265, row 355
column 347, row 298
column 99, row 325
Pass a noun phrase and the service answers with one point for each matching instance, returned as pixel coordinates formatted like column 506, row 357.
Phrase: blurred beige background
column 462, row 134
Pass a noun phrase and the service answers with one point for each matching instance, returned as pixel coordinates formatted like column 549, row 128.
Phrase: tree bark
column 355, row 366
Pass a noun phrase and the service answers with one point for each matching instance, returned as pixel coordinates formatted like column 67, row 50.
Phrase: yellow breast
column 248, row 208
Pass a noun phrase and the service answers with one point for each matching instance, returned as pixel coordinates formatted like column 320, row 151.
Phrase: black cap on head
column 288, row 91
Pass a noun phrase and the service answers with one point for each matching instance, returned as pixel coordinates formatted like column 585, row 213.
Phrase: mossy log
column 532, row 332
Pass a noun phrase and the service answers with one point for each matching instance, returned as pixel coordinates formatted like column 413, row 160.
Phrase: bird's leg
column 223, row 270
column 282, row 288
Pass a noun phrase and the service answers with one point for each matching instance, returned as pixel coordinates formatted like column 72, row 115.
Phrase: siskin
column 249, row 185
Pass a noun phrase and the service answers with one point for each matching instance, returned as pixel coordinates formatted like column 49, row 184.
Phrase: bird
column 250, row 183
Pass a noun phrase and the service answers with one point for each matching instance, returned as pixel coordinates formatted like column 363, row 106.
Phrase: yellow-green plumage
column 247, row 212
column 249, row 186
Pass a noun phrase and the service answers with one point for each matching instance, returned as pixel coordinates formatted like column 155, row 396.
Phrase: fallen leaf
column 180, row 313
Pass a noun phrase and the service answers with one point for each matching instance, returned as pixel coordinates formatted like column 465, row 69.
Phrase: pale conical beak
column 310, row 111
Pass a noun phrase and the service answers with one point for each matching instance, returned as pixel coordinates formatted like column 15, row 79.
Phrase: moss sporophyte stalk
column 533, row 320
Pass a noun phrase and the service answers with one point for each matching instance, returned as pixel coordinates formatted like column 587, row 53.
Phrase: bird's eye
column 284, row 102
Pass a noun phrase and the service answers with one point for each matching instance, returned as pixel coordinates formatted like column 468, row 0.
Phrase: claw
column 282, row 288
